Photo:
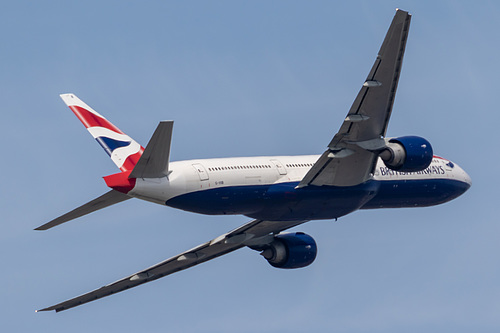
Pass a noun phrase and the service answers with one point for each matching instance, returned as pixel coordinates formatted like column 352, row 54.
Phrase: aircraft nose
column 463, row 177
column 467, row 179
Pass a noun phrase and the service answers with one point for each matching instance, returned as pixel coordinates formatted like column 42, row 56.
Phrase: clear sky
column 243, row 79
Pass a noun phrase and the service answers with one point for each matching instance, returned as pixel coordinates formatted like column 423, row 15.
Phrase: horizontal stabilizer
column 110, row 198
column 154, row 161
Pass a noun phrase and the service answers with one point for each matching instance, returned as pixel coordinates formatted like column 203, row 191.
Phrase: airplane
column 360, row 169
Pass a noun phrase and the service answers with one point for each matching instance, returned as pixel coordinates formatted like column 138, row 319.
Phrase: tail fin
column 154, row 161
column 122, row 149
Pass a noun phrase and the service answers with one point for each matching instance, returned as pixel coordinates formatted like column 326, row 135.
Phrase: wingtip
column 42, row 227
column 50, row 308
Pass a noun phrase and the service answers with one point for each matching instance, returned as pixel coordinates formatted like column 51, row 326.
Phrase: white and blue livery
column 360, row 169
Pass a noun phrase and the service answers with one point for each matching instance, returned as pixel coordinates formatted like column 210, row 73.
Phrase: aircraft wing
column 253, row 233
column 352, row 154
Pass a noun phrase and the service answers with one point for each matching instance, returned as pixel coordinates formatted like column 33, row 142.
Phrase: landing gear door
column 279, row 166
column 202, row 172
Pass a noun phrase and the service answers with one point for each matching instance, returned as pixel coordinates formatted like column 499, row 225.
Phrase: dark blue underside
column 283, row 202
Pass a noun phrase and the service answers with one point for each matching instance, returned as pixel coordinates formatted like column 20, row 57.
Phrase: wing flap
column 332, row 170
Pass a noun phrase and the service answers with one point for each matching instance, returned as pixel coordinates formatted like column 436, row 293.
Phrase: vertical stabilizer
column 122, row 149
column 154, row 161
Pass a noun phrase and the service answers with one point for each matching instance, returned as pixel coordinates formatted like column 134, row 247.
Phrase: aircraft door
column 279, row 166
column 202, row 172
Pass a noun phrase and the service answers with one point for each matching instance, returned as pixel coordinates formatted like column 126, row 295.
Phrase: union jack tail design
column 122, row 149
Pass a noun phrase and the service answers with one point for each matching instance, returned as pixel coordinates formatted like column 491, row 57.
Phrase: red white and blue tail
column 122, row 149
column 133, row 160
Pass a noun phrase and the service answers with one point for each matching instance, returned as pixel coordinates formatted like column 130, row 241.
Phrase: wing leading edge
column 352, row 154
column 256, row 232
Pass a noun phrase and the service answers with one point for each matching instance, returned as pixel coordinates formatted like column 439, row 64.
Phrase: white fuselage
column 244, row 183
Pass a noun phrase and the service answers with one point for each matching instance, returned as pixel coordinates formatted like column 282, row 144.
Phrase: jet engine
column 290, row 250
column 407, row 154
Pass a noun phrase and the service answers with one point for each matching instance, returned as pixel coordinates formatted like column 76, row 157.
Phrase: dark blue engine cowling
column 408, row 154
column 291, row 250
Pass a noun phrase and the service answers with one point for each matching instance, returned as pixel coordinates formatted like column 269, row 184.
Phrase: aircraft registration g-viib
column 360, row 169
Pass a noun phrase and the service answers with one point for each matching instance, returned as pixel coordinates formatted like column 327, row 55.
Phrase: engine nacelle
column 407, row 154
column 291, row 250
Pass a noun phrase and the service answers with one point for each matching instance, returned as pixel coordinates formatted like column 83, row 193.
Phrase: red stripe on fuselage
column 91, row 120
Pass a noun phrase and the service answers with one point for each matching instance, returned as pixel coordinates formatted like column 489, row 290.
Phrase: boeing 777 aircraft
column 360, row 169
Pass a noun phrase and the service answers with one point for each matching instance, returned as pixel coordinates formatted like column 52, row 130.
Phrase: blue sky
column 243, row 79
